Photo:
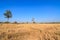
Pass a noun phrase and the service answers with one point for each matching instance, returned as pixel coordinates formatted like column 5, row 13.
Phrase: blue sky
column 25, row 10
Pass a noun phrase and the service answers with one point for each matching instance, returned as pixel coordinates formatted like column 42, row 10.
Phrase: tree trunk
column 7, row 20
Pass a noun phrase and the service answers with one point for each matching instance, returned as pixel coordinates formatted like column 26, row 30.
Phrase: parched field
column 30, row 32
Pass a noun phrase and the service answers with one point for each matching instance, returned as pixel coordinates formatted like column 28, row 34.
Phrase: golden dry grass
column 30, row 32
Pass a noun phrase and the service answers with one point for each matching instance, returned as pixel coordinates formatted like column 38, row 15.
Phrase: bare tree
column 33, row 20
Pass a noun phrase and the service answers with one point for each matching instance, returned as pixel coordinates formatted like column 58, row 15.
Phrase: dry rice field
column 30, row 32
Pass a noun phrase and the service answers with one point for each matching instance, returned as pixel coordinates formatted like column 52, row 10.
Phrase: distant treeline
column 50, row 22
column 32, row 22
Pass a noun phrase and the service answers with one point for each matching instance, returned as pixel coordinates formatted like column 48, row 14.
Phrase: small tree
column 33, row 20
column 15, row 22
column 8, row 15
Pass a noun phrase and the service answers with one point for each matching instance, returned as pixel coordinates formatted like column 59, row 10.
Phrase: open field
column 30, row 32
